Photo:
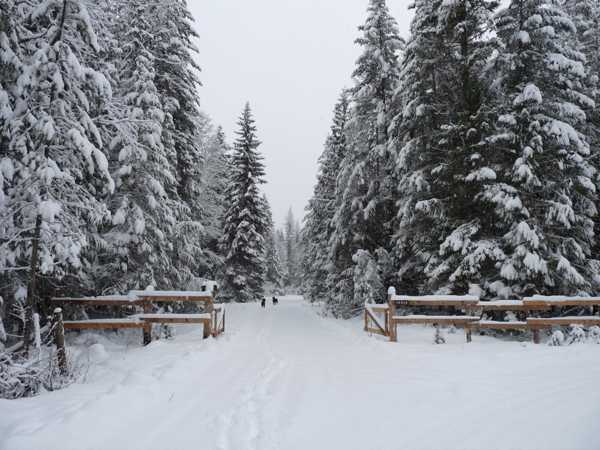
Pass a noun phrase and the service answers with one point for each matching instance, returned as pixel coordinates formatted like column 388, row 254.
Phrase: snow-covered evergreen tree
column 441, row 241
column 55, row 172
column 176, row 79
column 318, row 227
column 367, row 281
column 293, row 251
column 586, row 17
column 245, row 220
column 365, row 188
column 273, row 271
column 545, row 202
column 143, row 219
column 215, row 172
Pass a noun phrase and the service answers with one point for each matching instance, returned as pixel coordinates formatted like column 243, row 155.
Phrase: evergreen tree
column 320, row 211
column 367, row 280
column 586, row 17
column 443, row 229
column 55, row 174
column 245, row 220
column 365, row 188
column 176, row 79
column 214, row 177
column 545, row 201
column 274, row 272
column 292, row 251
column 143, row 221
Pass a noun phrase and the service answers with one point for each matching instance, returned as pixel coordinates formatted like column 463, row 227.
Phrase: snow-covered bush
column 594, row 335
column 20, row 377
column 576, row 335
column 16, row 379
column 557, row 339
column 439, row 337
column 367, row 283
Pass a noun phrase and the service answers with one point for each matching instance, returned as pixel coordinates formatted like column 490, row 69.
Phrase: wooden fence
column 144, row 302
column 467, row 312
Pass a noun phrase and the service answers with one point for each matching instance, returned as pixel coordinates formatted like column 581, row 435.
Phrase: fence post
column 59, row 340
column 536, row 335
column 147, row 330
column 391, row 314
column 208, row 326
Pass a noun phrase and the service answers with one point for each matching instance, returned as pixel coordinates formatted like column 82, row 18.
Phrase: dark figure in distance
column 263, row 302
column 275, row 301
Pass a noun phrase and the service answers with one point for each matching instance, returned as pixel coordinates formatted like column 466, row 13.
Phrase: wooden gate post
column 147, row 330
column 208, row 325
column 59, row 340
column 536, row 335
column 391, row 314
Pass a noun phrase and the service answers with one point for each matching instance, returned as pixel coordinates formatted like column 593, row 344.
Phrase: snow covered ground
column 286, row 378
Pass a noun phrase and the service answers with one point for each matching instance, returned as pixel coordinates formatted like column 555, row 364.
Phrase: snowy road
column 285, row 378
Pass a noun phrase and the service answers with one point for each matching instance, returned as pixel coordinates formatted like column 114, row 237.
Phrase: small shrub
column 594, row 335
column 439, row 338
column 576, row 335
column 557, row 339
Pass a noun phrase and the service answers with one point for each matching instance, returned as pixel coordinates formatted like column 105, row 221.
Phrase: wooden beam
column 201, row 298
column 174, row 320
column 435, row 320
column 562, row 302
column 563, row 321
column 110, row 324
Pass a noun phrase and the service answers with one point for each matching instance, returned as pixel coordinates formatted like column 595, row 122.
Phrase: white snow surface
column 501, row 303
column 108, row 298
column 561, row 298
column 286, row 378
column 172, row 316
column 437, row 298
column 169, row 293
column 102, row 321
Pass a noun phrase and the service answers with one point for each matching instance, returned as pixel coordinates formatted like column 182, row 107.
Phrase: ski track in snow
column 285, row 378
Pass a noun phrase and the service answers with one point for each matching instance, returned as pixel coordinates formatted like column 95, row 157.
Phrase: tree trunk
column 30, row 306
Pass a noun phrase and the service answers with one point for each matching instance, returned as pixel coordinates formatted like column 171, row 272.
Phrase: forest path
column 285, row 378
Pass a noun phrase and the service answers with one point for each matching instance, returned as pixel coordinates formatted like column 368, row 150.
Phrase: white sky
column 290, row 59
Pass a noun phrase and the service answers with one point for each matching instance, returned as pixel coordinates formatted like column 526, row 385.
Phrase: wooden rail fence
column 212, row 319
column 468, row 312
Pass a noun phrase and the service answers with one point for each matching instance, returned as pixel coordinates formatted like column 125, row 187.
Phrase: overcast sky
column 289, row 59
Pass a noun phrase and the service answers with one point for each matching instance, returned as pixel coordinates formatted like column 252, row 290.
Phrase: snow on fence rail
column 469, row 313
column 212, row 320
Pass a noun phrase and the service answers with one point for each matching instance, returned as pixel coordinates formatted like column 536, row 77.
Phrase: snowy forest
column 112, row 177
column 463, row 158
column 157, row 293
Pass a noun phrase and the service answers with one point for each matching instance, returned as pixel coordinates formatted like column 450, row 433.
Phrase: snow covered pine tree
column 546, row 203
column 245, row 220
column 320, row 211
column 55, row 173
column 365, row 187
